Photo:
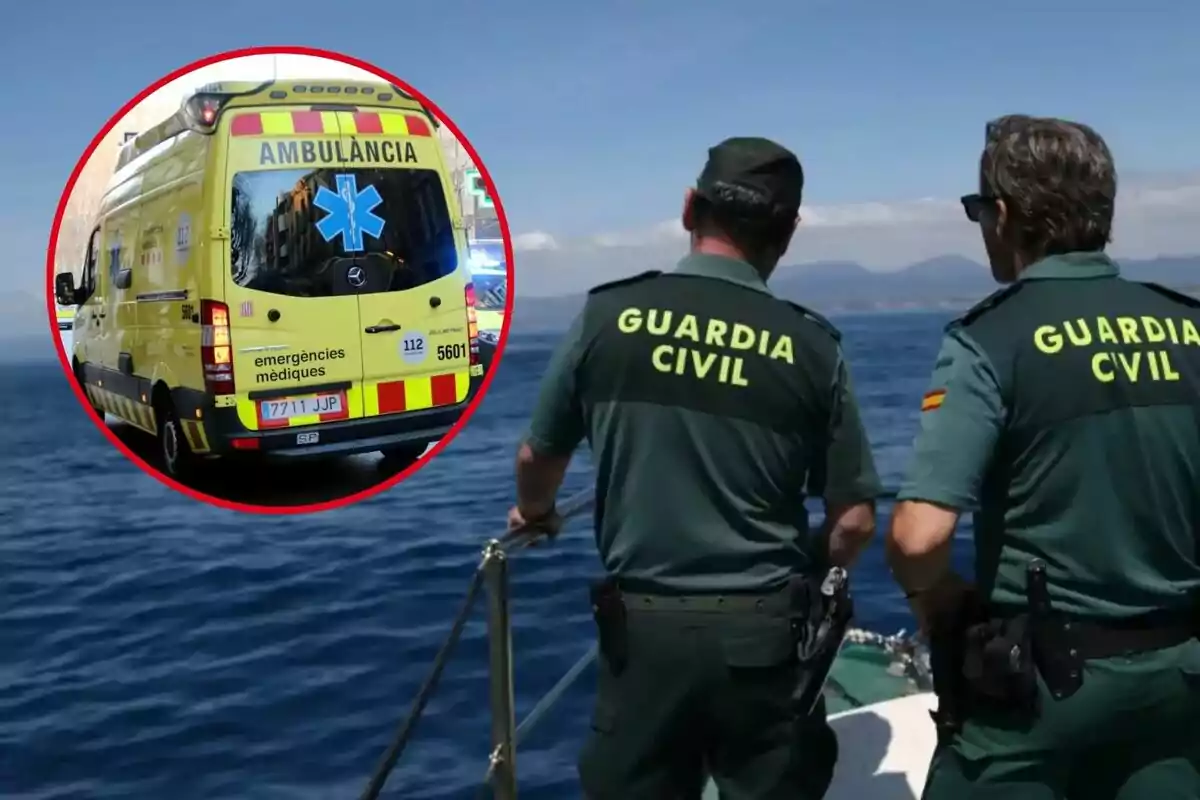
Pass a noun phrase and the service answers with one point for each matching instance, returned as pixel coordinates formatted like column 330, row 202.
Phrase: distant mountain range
column 832, row 287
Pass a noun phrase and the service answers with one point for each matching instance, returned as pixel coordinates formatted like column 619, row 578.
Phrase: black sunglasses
column 975, row 204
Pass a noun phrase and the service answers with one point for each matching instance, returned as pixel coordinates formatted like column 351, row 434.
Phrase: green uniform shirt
column 712, row 408
column 1065, row 411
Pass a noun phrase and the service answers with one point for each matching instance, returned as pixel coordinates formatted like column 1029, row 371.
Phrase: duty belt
column 1098, row 638
column 779, row 602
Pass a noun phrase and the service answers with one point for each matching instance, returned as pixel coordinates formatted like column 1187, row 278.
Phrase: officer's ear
column 689, row 210
column 786, row 243
column 1001, row 218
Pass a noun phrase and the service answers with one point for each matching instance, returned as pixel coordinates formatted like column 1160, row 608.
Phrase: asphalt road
column 284, row 483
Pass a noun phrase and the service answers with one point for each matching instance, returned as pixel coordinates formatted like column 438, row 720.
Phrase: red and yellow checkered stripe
column 372, row 400
column 310, row 123
column 416, row 394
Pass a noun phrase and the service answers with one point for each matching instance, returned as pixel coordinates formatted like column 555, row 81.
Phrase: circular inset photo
column 279, row 279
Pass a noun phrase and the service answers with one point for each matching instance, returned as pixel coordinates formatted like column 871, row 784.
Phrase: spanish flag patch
column 933, row 399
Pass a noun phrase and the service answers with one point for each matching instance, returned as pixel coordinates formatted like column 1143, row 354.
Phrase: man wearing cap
column 712, row 409
column 1064, row 411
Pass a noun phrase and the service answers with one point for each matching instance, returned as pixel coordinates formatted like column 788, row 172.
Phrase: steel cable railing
column 492, row 575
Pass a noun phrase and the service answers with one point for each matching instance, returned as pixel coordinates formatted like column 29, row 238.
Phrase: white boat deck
column 884, row 750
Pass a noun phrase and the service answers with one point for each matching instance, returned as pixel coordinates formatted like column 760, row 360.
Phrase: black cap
column 759, row 165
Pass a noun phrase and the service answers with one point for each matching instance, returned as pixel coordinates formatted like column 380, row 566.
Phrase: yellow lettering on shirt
column 1121, row 345
column 696, row 349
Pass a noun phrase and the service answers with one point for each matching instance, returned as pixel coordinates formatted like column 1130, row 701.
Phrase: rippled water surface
column 152, row 647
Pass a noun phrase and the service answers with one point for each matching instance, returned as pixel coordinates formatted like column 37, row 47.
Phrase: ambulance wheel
column 177, row 458
column 399, row 458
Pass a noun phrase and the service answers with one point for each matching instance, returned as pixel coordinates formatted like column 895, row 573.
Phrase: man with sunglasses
column 1064, row 411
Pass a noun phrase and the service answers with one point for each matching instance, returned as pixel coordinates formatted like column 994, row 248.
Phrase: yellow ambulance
column 280, row 268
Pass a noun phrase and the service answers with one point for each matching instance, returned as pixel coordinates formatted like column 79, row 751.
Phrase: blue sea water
column 151, row 646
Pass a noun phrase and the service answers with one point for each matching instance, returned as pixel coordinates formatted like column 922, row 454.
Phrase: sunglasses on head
column 975, row 204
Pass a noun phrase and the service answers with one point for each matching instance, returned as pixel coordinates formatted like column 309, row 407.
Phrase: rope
column 906, row 651
column 903, row 650
column 392, row 755
column 486, row 786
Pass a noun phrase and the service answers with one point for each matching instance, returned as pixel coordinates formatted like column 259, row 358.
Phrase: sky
column 594, row 117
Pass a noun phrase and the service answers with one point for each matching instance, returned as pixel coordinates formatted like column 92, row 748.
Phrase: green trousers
column 705, row 694
column 1132, row 732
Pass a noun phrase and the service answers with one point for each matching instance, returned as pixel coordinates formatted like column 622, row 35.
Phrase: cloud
column 670, row 230
column 1175, row 198
column 922, row 211
column 534, row 240
column 1156, row 215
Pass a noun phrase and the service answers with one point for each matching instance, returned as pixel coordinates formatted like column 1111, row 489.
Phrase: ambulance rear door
column 401, row 244
column 295, row 326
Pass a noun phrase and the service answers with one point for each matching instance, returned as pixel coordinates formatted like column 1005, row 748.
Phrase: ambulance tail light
column 203, row 111
column 216, row 348
column 472, row 324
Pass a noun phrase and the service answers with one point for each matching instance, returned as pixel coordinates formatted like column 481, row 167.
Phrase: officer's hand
column 546, row 526
column 939, row 601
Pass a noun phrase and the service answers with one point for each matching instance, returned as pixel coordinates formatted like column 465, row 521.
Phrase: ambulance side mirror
column 64, row 289
column 124, row 279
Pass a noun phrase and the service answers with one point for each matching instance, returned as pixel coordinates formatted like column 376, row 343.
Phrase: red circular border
column 51, row 306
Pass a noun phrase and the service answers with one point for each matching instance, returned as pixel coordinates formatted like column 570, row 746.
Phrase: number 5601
column 449, row 352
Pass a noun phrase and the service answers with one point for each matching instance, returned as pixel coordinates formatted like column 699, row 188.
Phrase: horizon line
column 966, row 261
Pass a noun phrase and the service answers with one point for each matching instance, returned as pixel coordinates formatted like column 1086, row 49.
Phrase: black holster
column 948, row 639
column 609, row 614
column 821, row 612
column 1060, row 664
column 998, row 667
column 982, row 662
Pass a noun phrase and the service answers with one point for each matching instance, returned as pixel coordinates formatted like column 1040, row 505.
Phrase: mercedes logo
column 357, row 277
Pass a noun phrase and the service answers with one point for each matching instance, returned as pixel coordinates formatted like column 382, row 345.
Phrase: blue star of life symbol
column 349, row 213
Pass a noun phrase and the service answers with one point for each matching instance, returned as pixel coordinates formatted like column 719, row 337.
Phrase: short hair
column 744, row 215
column 1057, row 180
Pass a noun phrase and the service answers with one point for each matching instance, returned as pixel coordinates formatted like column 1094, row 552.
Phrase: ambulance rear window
column 316, row 233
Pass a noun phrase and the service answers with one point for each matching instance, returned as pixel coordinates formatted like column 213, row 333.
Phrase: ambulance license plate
column 289, row 407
